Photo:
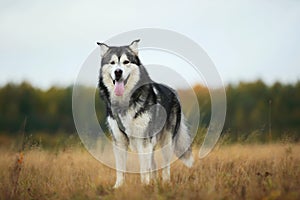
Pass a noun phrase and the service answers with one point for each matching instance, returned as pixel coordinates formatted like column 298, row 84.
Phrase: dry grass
column 229, row 172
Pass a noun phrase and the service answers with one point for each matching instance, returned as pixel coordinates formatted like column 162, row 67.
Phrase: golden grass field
column 270, row 171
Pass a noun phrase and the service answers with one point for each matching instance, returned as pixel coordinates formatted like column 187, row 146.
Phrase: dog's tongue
column 119, row 88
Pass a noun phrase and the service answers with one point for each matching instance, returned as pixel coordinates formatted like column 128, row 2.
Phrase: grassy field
column 269, row 171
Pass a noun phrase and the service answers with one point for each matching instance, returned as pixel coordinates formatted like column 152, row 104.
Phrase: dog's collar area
column 119, row 122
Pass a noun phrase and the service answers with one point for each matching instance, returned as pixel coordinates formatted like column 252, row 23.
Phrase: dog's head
column 119, row 67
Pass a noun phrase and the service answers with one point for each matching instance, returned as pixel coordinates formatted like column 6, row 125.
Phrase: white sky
column 45, row 42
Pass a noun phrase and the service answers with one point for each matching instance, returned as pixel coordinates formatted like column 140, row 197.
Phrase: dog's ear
column 134, row 46
column 104, row 48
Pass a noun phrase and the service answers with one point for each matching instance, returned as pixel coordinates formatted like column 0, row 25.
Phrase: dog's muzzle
column 119, row 83
column 118, row 74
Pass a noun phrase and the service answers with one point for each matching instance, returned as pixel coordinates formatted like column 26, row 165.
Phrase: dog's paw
column 118, row 184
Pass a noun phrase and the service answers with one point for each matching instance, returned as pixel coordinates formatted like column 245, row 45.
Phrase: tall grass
column 270, row 171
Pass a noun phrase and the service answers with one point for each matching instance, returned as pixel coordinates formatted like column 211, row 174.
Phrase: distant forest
column 266, row 110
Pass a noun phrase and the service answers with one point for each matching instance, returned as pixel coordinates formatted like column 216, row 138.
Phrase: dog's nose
column 118, row 74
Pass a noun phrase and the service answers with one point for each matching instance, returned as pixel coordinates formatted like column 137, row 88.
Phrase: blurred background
column 255, row 46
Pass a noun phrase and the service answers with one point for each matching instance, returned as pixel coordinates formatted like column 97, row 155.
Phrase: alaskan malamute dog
column 141, row 113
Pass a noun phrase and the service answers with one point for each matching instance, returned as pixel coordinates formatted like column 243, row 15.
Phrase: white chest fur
column 135, row 127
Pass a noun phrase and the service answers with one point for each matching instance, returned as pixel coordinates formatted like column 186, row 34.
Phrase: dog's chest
column 135, row 126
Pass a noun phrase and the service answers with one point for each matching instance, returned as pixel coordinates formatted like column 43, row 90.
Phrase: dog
column 141, row 114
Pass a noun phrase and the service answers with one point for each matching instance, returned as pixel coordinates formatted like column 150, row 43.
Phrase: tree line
column 267, row 110
column 254, row 108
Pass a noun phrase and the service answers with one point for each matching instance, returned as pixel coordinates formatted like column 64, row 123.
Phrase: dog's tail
column 182, row 144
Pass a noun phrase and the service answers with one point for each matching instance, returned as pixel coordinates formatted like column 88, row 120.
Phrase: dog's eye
column 112, row 62
column 125, row 62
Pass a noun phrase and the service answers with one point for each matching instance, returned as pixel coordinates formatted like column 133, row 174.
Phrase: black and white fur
column 129, row 95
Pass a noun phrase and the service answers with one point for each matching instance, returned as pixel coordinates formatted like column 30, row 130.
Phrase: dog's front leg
column 145, row 151
column 120, row 147
column 120, row 152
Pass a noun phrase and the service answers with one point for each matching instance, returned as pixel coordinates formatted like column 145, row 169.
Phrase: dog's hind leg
column 167, row 152
column 153, row 169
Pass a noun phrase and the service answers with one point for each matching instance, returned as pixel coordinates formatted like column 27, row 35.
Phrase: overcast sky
column 46, row 42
